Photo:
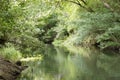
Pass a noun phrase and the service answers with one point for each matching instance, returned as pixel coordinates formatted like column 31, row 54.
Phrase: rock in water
column 9, row 70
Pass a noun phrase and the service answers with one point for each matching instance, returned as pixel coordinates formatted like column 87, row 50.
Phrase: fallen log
column 9, row 70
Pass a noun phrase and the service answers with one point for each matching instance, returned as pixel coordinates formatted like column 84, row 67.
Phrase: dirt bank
column 10, row 70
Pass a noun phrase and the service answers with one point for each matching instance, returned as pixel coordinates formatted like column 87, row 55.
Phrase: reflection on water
column 61, row 64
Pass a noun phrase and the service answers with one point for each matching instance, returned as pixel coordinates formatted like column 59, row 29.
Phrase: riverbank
column 69, row 44
column 10, row 70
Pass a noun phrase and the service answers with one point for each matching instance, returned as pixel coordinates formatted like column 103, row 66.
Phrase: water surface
column 85, row 64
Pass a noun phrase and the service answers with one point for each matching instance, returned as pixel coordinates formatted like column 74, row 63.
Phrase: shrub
column 10, row 53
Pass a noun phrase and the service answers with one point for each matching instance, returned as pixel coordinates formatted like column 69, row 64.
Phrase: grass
column 10, row 53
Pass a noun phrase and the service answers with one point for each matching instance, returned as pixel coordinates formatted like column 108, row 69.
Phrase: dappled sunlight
column 32, row 58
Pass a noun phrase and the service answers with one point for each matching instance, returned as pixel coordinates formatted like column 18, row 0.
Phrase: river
column 84, row 64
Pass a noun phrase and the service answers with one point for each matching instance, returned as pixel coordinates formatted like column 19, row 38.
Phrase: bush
column 95, row 28
column 10, row 53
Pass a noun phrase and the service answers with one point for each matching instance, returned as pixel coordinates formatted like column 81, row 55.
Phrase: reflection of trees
column 54, row 63
column 60, row 64
column 85, row 63
column 49, row 65
column 98, row 66
column 110, row 64
column 54, row 58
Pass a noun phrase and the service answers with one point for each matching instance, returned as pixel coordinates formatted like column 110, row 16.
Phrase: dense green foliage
column 27, row 24
column 99, row 27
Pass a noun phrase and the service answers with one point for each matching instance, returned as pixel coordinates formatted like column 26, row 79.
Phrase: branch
column 107, row 5
column 75, row 3
column 78, row 3
column 84, row 2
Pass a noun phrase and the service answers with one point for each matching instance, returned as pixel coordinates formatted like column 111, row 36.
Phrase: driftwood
column 9, row 70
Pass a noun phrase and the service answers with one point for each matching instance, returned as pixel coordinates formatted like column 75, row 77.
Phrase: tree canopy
column 27, row 24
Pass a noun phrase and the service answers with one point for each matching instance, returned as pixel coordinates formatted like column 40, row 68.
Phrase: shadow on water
column 85, row 64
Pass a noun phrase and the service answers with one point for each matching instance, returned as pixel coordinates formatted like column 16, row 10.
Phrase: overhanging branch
column 89, row 9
